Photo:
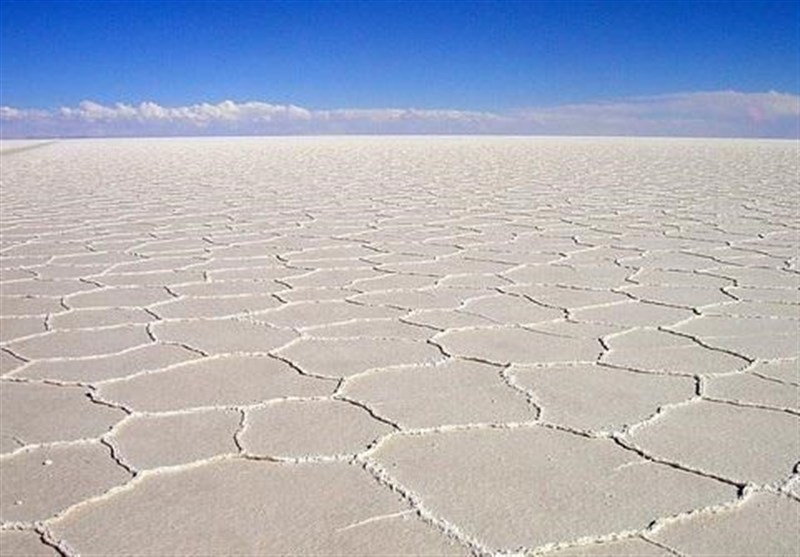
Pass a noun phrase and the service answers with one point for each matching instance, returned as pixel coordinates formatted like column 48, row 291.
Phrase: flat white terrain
column 373, row 346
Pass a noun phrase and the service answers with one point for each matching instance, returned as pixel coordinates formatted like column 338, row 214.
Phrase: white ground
column 400, row 346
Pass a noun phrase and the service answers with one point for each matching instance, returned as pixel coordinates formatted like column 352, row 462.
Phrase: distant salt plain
column 399, row 345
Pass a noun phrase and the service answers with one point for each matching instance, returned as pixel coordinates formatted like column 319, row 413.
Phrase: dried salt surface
column 80, row 342
column 113, row 366
column 24, row 543
column 504, row 345
column 153, row 441
column 352, row 356
column 253, row 508
column 13, row 328
column 41, row 413
column 659, row 351
column 560, row 346
column 222, row 336
column 540, row 486
column 765, row 524
column 591, row 397
column 760, row 446
column 9, row 363
column 374, row 328
column 632, row 547
column 233, row 381
column 456, row 392
column 42, row 481
column 755, row 390
column 332, row 428
column 786, row 371
column 314, row 314
column 210, row 307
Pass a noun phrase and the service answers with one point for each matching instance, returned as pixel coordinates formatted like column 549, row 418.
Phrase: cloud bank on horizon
column 693, row 114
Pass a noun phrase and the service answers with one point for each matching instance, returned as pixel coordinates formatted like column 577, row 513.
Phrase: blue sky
column 506, row 59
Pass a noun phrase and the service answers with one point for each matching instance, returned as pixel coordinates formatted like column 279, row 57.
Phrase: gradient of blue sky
column 484, row 56
column 103, row 67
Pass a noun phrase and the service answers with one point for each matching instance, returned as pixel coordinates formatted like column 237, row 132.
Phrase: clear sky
column 503, row 58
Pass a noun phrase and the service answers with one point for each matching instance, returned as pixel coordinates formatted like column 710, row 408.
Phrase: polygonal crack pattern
column 533, row 346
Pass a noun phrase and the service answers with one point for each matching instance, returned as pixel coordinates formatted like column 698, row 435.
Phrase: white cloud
column 8, row 113
column 718, row 113
column 197, row 114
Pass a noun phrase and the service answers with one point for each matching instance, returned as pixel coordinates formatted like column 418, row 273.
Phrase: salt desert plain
column 387, row 345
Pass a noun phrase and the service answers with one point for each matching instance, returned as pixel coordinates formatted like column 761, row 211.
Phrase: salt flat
column 373, row 346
